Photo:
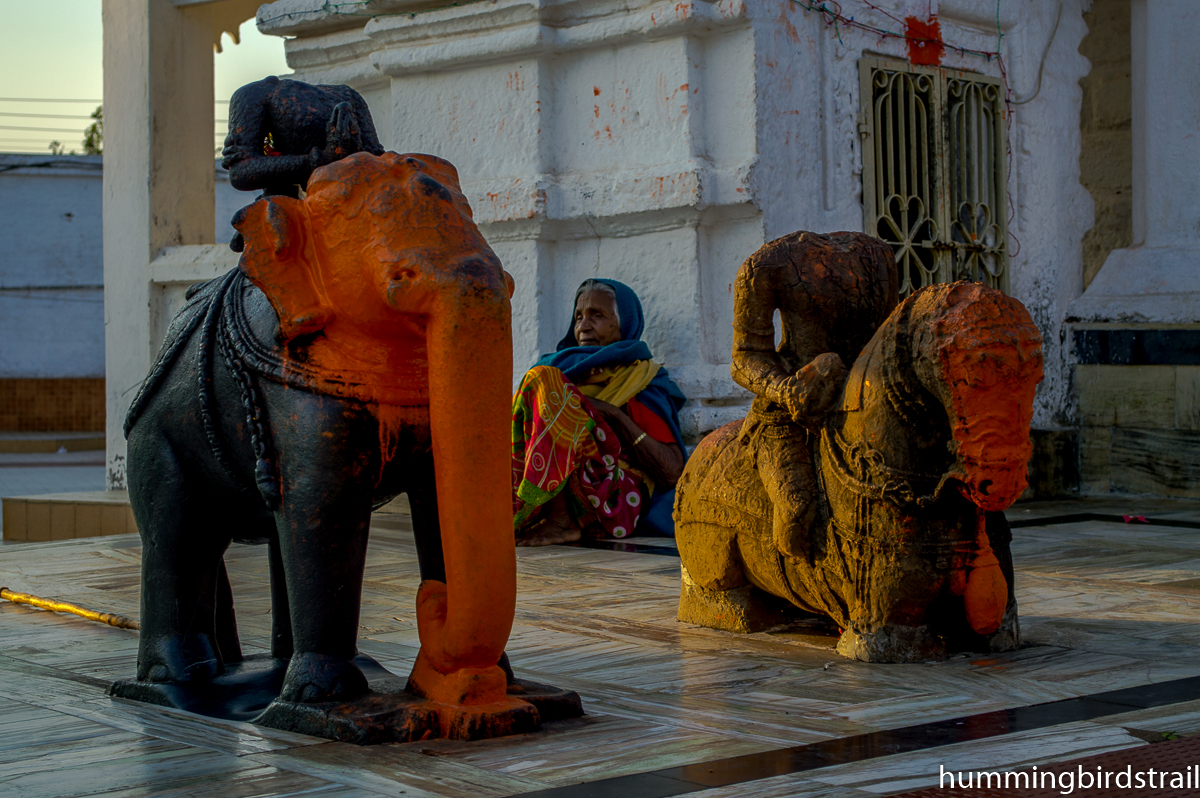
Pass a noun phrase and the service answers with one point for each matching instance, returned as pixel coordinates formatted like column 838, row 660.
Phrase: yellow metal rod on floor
column 119, row 621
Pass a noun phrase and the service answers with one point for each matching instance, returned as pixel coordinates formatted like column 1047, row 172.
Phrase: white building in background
column 51, row 270
column 660, row 142
column 52, row 293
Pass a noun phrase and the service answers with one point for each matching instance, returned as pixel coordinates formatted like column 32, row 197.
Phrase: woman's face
column 596, row 322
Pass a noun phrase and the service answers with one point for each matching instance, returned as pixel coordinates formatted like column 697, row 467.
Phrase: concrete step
column 64, row 516
column 29, row 442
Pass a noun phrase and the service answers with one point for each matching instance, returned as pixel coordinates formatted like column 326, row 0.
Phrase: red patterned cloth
column 650, row 422
column 559, row 441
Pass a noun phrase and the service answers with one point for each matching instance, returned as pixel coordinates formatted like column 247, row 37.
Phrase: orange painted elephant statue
column 926, row 443
column 362, row 349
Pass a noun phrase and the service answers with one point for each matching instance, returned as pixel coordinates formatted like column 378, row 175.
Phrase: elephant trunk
column 464, row 623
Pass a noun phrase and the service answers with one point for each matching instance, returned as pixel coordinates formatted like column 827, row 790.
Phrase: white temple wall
column 661, row 143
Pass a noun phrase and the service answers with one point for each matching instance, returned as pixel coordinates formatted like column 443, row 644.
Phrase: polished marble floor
column 1105, row 605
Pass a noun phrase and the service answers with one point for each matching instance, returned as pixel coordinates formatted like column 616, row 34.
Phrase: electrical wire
column 44, row 100
column 46, row 116
column 41, row 129
column 1041, row 66
column 834, row 17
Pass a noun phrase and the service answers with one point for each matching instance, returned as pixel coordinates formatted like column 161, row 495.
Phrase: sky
column 53, row 50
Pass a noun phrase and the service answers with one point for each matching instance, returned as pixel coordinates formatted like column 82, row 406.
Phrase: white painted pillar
column 1157, row 280
column 158, row 178
column 1166, row 123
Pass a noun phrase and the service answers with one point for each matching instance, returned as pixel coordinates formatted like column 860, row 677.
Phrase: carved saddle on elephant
column 235, row 326
column 927, row 444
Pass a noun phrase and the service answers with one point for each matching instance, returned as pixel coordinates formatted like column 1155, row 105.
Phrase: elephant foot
column 369, row 719
column 472, row 703
column 178, row 658
column 1008, row 636
column 400, row 717
column 240, row 693
column 744, row 609
column 314, row 678
column 892, row 643
column 498, row 719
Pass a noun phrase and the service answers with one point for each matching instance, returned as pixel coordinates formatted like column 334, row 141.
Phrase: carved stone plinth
column 744, row 609
column 249, row 691
column 401, row 717
column 242, row 692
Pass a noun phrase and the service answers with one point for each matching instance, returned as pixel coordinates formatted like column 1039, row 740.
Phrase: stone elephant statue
column 361, row 349
column 925, row 446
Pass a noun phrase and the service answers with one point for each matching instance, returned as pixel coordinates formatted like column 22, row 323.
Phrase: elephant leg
column 427, row 534
column 181, row 565
column 1008, row 636
column 328, row 468
column 427, row 530
column 785, row 466
column 226, row 622
column 281, row 612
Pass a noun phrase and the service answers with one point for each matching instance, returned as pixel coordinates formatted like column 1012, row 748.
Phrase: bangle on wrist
column 638, row 439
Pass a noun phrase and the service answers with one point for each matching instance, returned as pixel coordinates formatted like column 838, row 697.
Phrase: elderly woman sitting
column 597, row 448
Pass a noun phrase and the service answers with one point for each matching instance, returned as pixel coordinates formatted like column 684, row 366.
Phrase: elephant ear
column 444, row 172
column 279, row 259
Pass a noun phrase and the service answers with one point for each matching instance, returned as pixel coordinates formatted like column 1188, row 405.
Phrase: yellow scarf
column 618, row 384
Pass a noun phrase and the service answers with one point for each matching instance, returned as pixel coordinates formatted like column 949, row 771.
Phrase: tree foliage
column 93, row 136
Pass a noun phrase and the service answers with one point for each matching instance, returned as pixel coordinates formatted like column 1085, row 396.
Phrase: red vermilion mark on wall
column 924, row 40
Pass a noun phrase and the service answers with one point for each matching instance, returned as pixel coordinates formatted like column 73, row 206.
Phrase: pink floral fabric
column 560, row 442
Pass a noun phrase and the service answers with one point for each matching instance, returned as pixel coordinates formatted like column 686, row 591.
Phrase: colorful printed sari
column 546, row 450
column 559, row 443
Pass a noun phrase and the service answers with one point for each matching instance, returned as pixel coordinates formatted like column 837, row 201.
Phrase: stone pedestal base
column 242, row 692
column 249, row 690
column 401, row 717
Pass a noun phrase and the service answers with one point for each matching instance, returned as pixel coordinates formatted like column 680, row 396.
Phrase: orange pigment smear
column 993, row 364
column 986, row 596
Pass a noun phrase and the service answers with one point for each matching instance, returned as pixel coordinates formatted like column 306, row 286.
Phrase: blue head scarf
column 662, row 395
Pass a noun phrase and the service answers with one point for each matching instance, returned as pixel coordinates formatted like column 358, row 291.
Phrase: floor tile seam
column 1155, row 587
column 1019, row 738
column 769, row 743
column 1105, row 518
column 815, row 714
column 70, row 676
column 1089, row 581
column 1186, row 653
column 253, row 731
column 1096, row 697
column 254, row 757
column 157, row 733
column 101, row 718
column 1038, row 568
column 294, row 764
column 784, row 652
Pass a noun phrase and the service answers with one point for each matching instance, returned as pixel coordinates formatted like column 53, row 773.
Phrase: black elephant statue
column 362, row 349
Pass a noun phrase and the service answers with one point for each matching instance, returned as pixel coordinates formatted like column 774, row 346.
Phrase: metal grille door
column 933, row 171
